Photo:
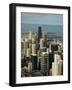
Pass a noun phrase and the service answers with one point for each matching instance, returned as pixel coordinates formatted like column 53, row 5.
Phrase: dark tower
column 39, row 33
column 34, row 62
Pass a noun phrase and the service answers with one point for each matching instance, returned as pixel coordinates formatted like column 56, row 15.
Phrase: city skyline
column 41, row 44
column 51, row 23
column 41, row 56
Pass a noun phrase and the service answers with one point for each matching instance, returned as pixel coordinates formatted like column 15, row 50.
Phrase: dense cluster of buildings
column 41, row 56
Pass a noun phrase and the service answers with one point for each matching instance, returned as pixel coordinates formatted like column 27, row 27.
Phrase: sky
column 41, row 18
column 50, row 23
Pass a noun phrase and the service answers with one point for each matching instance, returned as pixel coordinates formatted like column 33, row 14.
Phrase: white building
column 30, row 36
column 25, row 45
column 28, row 52
column 57, row 65
column 33, row 49
column 29, row 67
column 41, row 43
column 33, row 40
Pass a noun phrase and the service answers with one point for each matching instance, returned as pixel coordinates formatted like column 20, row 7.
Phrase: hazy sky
column 37, row 18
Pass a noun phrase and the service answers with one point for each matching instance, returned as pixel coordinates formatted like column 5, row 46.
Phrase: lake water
column 54, row 31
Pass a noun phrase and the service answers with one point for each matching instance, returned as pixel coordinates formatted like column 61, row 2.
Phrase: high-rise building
column 45, row 37
column 28, row 52
column 26, row 45
column 60, row 67
column 34, row 62
column 30, row 36
column 39, row 33
column 33, row 49
column 39, row 59
column 40, row 55
column 33, row 40
column 57, row 65
column 57, row 57
column 41, row 43
column 54, row 68
column 51, row 59
column 30, row 67
column 45, row 63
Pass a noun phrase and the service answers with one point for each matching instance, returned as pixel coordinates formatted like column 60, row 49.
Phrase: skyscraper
column 51, row 59
column 41, row 43
column 30, row 36
column 25, row 46
column 41, row 56
column 33, row 49
column 45, row 37
column 45, row 63
column 34, row 62
column 39, row 33
column 30, row 67
column 28, row 52
column 57, row 65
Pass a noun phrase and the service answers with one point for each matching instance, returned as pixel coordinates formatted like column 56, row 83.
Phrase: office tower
column 57, row 68
column 57, row 57
column 39, row 33
column 54, row 68
column 33, row 49
column 41, row 43
column 60, row 68
column 28, row 52
column 26, row 45
column 45, row 39
column 51, row 59
column 57, row 65
column 33, row 40
column 34, row 62
column 39, row 59
column 30, row 67
column 45, row 63
column 30, row 36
